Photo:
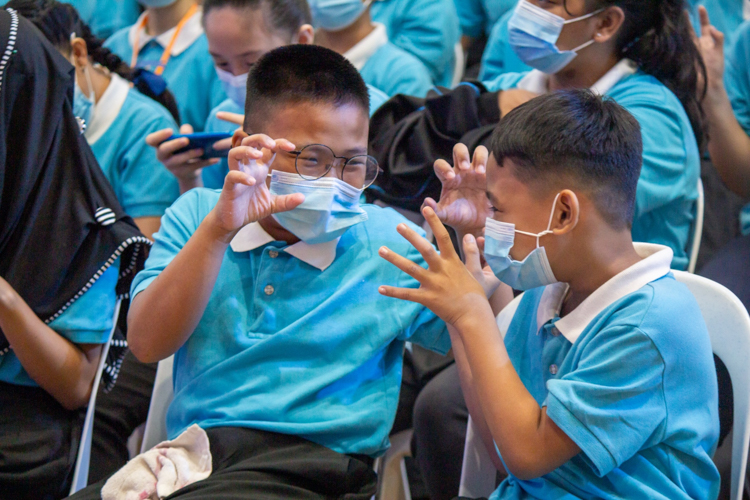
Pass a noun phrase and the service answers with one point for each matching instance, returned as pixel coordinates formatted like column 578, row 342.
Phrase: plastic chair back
column 729, row 327
column 81, row 471
column 156, row 421
column 695, row 246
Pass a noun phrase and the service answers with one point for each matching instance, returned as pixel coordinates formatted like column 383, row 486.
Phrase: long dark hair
column 657, row 35
column 57, row 21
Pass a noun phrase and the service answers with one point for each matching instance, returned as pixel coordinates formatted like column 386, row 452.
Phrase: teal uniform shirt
column 737, row 82
column 117, row 134
column 387, row 67
column 725, row 15
column 213, row 176
column 106, row 17
column 87, row 321
column 477, row 17
column 190, row 72
column 429, row 29
column 296, row 339
column 628, row 376
column 499, row 57
column 665, row 201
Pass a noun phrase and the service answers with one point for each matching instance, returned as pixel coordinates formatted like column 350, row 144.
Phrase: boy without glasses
column 266, row 293
column 604, row 385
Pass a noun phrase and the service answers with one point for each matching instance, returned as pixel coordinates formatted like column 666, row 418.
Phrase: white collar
column 537, row 82
column 190, row 32
column 252, row 236
column 366, row 48
column 107, row 108
column 656, row 263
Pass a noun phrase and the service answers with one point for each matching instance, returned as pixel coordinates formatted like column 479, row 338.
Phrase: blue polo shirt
column 479, row 16
column 296, row 339
column 88, row 320
column 213, row 176
column 499, row 57
column 429, row 29
column 104, row 18
column 665, row 201
column 737, row 82
column 122, row 119
column 190, row 72
column 629, row 376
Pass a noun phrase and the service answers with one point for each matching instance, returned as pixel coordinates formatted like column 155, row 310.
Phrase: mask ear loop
column 549, row 224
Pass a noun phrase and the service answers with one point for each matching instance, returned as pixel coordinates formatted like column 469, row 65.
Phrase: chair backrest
column 156, row 421
column 81, row 470
column 459, row 66
column 728, row 325
column 695, row 245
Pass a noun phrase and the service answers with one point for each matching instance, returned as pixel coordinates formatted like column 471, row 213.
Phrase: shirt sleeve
column 613, row 402
column 89, row 319
column 147, row 187
column 177, row 226
column 737, row 78
column 499, row 58
column 472, row 17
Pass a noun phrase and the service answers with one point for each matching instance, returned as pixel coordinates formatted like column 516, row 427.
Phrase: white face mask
column 235, row 86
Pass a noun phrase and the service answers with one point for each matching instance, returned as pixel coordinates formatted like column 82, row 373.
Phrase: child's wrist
column 477, row 316
column 216, row 231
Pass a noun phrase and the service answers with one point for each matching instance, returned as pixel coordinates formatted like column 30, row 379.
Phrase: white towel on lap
column 163, row 469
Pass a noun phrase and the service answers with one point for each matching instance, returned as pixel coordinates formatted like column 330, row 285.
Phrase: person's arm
column 63, row 369
column 729, row 144
column 148, row 225
column 164, row 315
column 530, row 443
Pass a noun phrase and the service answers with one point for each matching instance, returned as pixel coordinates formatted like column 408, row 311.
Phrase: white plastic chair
column 695, row 246
column 156, row 421
column 728, row 325
column 81, row 471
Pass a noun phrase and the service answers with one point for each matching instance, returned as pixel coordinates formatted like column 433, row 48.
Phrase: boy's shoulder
column 193, row 206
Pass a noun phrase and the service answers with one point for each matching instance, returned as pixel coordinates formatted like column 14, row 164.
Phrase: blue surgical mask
column 83, row 106
column 331, row 207
column 150, row 4
column 235, row 86
column 533, row 271
column 533, row 33
column 335, row 15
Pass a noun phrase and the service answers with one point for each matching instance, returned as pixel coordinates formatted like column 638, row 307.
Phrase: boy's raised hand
column 447, row 287
column 245, row 197
column 463, row 201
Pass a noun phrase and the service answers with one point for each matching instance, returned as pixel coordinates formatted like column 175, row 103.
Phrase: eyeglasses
column 316, row 160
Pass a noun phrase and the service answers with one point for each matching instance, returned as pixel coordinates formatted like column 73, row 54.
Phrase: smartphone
column 204, row 141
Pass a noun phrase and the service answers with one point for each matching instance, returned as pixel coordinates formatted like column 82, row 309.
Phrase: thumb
column 286, row 202
column 186, row 129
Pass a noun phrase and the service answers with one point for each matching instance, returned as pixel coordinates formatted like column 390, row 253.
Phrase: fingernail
column 466, row 165
column 383, row 251
column 401, row 227
column 381, row 290
column 480, row 169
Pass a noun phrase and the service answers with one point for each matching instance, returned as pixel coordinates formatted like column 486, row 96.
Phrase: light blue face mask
column 534, row 271
column 235, row 86
column 83, row 106
column 335, row 15
column 331, row 207
column 533, row 34
column 156, row 3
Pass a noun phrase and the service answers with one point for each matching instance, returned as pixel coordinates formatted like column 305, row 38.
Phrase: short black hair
column 302, row 73
column 579, row 140
column 282, row 15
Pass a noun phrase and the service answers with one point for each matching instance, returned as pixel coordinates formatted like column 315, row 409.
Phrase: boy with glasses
column 266, row 293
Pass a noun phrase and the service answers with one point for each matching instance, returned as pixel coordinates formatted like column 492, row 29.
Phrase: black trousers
column 118, row 413
column 258, row 465
column 38, row 444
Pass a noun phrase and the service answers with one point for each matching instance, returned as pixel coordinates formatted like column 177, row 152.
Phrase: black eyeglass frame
column 346, row 163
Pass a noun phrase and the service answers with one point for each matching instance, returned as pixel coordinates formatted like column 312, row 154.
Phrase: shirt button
column 273, row 254
column 553, row 369
column 268, row 290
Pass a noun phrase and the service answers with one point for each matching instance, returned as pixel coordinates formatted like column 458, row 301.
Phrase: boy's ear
column 239, row 134
column 305, row 34
column 79, row 52
column 567, row 212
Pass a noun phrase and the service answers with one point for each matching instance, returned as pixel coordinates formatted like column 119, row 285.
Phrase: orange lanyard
column 168, row 51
